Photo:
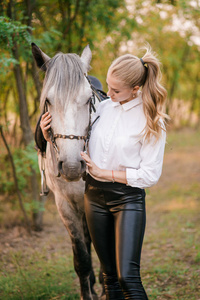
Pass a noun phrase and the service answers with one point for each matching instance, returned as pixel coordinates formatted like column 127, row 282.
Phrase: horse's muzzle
column 71, row 171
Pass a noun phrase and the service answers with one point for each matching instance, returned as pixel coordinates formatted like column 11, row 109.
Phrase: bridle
column 100, row 96
column 86, row 138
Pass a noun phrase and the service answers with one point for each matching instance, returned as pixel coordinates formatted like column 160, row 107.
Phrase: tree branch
column 71, row 19
column 28, row 227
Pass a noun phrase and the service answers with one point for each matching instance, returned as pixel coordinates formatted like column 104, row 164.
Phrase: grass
column 170, row 265
column 183, row 139
column 171, row 251
column 37, row 277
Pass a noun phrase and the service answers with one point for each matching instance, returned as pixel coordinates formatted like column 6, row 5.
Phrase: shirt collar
column 130, row 104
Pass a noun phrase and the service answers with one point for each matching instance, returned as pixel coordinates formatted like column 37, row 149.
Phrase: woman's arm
column 45, row 125
column 150, row 169
column 145, row 176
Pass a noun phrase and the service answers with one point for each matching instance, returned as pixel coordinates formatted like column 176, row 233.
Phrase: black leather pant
column 116, row 219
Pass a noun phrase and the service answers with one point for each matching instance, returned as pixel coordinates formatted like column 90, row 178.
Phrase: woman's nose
column 109, row 93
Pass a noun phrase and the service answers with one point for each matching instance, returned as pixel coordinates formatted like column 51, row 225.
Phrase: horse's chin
column 70, row 178
column 71, row 171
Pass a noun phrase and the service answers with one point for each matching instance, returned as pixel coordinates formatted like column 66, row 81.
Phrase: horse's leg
column 103, row 293
column 88, row 245
column 82, row 259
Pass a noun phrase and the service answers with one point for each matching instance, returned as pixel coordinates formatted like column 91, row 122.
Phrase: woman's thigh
column 130, row 221
column 101, row 227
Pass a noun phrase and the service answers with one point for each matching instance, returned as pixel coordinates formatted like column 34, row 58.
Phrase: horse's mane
column 66, row 73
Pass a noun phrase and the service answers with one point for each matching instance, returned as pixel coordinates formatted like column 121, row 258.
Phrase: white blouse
column 117, row 143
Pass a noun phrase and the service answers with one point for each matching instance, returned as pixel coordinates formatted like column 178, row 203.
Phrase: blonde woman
column 126, row 156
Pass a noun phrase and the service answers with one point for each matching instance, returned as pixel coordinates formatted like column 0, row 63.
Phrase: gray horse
column 65, row 94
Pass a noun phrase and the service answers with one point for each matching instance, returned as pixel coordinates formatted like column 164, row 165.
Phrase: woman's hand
column 102, row 174
column 45, row 125
column 92, row 168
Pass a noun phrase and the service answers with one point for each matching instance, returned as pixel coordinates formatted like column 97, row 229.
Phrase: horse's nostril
column 60, row 165
column 83, row 165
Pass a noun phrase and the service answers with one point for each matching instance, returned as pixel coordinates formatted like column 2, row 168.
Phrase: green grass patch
column 37, row 277
column 172, row 243
column 182, row 139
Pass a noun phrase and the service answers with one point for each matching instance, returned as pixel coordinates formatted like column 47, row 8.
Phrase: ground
column 41, row 266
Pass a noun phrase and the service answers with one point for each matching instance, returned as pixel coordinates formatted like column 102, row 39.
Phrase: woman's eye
column 117, row 92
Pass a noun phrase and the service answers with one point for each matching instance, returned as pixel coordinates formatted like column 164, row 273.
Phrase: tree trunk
column 27, row 135
column 86, row 4
column 37, row 215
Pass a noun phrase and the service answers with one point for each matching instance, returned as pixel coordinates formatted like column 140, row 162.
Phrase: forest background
column 111, row 28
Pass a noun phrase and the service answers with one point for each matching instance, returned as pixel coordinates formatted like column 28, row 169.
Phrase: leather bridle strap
column 71, row 136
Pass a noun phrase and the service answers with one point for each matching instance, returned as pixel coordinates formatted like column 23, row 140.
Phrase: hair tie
column 144, row 64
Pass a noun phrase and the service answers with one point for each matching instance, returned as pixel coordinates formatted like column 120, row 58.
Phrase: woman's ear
column 135, row 89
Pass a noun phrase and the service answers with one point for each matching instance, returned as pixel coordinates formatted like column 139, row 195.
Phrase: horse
column 66, row 94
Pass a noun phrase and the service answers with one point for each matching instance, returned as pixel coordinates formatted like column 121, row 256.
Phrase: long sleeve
column 116, row 143
column 150, row 169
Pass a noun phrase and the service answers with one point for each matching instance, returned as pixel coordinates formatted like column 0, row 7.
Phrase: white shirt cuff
column 131, row 177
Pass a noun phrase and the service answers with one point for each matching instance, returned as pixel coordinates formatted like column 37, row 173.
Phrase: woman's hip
column 112, row 195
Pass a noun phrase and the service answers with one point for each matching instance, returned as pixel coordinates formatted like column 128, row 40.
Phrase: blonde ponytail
column 153, row 95
column 144, row 72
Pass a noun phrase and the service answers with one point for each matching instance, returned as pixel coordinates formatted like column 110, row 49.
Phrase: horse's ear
column 86, row 57
column 40, row 57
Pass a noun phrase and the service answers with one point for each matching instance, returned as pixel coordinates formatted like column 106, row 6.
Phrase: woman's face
column 117, row 90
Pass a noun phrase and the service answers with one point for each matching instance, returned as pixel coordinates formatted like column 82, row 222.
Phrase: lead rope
column 44, row 188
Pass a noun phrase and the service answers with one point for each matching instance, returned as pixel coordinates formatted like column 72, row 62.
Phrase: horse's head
column 66, row 92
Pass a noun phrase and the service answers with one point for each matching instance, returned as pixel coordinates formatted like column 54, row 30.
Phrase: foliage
column 12, row 33
column 172, row 31
column 25, row 161
column 111, row 27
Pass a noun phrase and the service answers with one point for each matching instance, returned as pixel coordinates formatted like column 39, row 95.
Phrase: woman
column 126, row 156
